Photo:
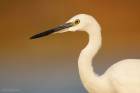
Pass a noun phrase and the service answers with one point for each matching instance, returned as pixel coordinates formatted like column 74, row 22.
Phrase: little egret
column 122, row 77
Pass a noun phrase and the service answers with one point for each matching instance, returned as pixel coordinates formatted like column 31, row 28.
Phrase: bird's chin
column 71, row 30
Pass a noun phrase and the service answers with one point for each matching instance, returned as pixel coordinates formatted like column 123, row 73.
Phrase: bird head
column 79, row 22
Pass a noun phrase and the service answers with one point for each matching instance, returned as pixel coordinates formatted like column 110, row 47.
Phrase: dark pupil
column 77, row 22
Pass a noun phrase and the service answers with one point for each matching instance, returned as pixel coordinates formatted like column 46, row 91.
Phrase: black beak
column 56, row 29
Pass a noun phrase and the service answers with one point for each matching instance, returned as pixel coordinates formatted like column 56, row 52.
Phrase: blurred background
column 49, row 64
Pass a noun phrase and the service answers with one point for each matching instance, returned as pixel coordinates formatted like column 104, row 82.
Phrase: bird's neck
column 88, row 76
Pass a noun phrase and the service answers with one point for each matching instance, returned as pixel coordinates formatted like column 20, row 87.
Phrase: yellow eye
column 77, row 21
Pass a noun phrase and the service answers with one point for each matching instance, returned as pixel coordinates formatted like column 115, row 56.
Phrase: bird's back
column 124, row 76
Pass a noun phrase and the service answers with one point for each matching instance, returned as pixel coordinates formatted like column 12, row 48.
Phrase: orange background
column 49, row 65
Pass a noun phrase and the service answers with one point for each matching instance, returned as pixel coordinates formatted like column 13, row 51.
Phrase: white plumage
column 122, row 77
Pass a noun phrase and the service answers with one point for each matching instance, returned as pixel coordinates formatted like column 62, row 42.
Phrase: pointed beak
column 50, row 31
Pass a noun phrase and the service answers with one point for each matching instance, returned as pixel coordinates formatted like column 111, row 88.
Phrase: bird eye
column 77, row 21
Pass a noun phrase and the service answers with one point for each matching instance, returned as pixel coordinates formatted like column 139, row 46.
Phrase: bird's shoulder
column 125, row 73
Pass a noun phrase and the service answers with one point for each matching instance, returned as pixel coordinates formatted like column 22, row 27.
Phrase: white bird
column 122, row 77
